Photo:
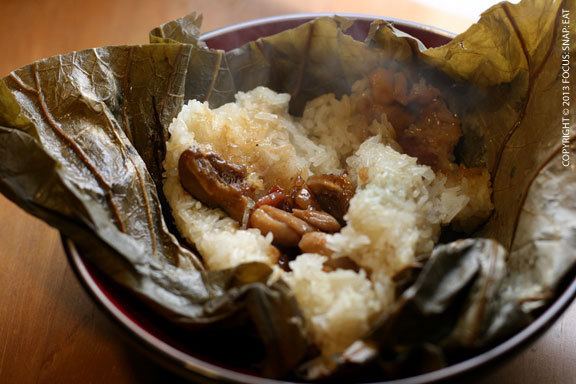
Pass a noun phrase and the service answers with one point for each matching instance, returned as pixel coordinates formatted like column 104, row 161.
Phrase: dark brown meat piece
column 300, row 197
column 425, row 127
column 215, row 182
column 333, row 194
column 433, row 136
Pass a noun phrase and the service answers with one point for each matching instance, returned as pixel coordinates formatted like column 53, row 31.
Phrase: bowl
column 193, row 359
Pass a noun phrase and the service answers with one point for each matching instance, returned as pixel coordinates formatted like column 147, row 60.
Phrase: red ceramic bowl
column 189, row 357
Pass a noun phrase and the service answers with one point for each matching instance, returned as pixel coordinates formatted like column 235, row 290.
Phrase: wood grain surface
column 50, row 331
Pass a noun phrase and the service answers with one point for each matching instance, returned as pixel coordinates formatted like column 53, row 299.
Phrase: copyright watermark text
column 565, row 86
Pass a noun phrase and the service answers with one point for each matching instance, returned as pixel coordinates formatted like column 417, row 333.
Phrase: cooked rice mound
column 336, row 127
column 394, row 217
column 396, row 212
column 339, row 306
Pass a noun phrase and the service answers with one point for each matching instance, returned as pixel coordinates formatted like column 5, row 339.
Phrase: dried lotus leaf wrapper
column 508, row 112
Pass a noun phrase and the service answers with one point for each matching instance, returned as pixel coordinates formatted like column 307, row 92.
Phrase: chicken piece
column 433, row 137
column 333, row 193
column 215, row 182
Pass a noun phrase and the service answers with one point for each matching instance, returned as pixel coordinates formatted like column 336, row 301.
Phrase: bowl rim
column 193, row 367
column 297, row 16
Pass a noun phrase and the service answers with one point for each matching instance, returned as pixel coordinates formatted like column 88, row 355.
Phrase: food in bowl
column 322, row 215
column 340, row 201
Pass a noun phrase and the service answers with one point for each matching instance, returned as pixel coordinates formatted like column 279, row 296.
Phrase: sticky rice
column 394, row 217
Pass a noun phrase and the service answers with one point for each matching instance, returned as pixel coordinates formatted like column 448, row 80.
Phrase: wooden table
column 50, row 331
